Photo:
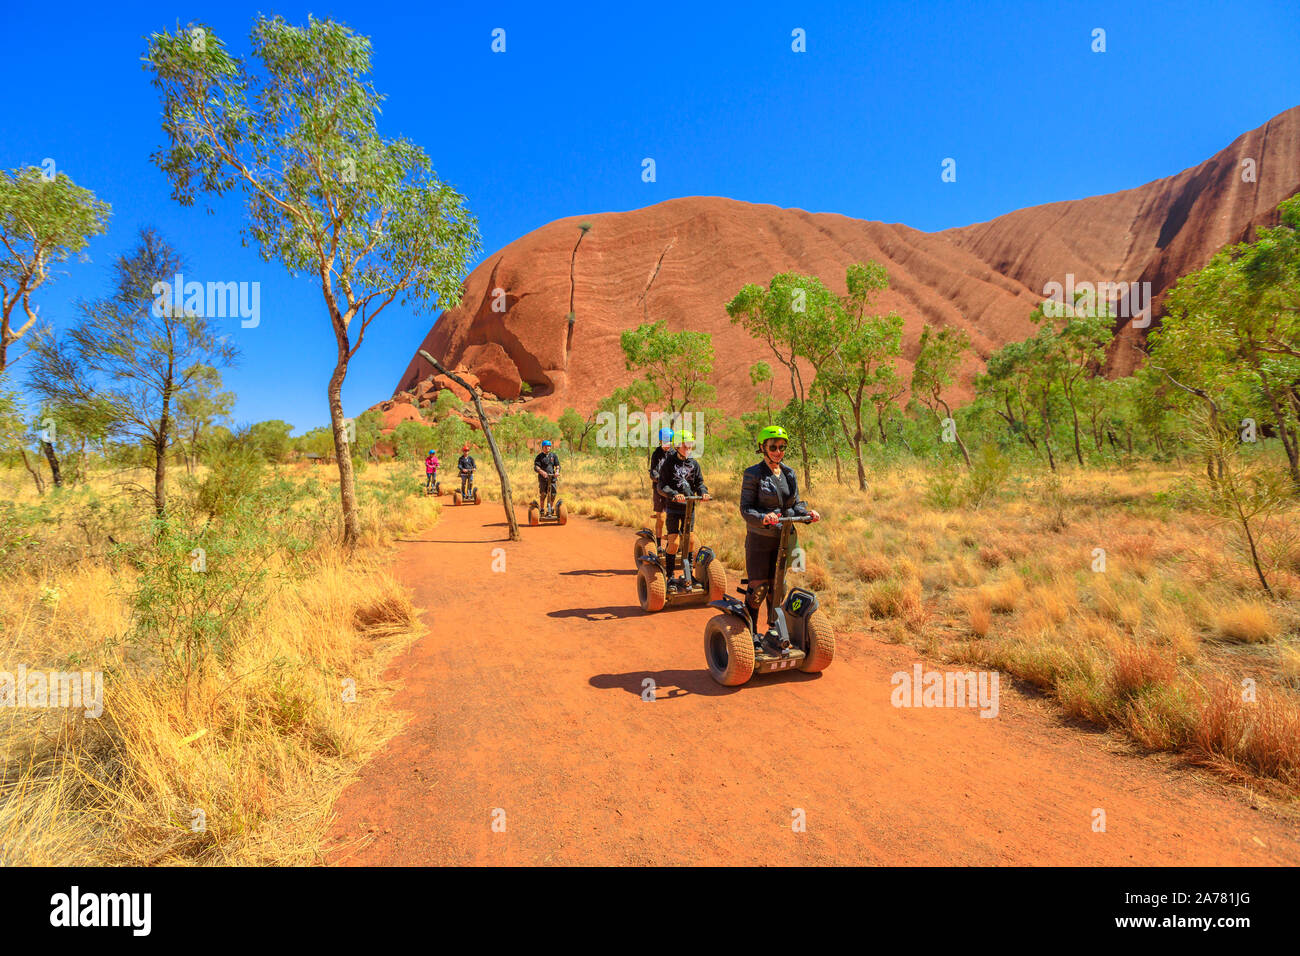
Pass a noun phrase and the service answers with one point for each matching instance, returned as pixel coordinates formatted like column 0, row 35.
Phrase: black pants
column 674, row 525
column 545, row 488
column 760, row 569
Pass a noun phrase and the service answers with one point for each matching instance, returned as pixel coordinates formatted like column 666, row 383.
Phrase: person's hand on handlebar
column 814, row 515
column 679, row 498
column 771, row 518
column 706, row 497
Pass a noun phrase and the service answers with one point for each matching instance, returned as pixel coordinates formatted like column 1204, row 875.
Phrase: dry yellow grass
column 238, row 765
column 1247, row 622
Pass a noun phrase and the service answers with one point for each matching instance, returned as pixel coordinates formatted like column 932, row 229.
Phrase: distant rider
column 656, row 499
column 430, row 470
column 768, row 493
column 465, row 465
column 679, row 476
column 547, row 466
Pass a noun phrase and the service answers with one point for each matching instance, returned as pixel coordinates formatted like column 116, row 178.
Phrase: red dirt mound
column 682, row 260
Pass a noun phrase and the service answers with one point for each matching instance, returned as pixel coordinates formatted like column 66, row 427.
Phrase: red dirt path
column 526, row 696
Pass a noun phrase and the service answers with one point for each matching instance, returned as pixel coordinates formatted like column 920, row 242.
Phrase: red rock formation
column 682, row 260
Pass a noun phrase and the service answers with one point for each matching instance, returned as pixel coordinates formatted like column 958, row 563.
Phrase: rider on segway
column 679, row 476
column 657, row 501
column 430, row 470
column 465, row 466
column 769, row 492
column 547, row 466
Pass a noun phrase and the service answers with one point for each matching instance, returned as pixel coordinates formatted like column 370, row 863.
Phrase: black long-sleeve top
column 680, row 476
column 761, row 493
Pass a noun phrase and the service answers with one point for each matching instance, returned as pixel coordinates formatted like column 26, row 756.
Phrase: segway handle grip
column 800, row 519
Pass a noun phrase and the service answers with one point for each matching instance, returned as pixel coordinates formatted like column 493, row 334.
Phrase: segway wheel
column 651, row 588
column 437, row 489
column 455, row 498
column 717, row 580
column 729, row 650
column 642, row 547
column 821, row 643
column 478, row 499
column 561, row 514
column 534, row 516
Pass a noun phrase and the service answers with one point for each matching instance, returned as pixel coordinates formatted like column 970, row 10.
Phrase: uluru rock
column 684, row 259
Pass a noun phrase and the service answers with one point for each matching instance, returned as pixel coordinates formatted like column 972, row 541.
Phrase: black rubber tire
column 561, row 514
column 534, row 516
column 821, row 643
column 651, row 588
column 478, row 498
column 455, row 498
column 717, row 580
column 729, row 650
column 642, row 546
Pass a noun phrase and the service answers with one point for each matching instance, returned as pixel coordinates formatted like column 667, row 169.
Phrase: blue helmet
column 665, row 434
column 432, row 452
column 546, row 443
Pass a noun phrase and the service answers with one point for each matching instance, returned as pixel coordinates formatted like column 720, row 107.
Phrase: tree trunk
column 343, row 453
column 36, row 475
column 956, row 434
column 857, row 448
column 507, row 500
column 53, row 459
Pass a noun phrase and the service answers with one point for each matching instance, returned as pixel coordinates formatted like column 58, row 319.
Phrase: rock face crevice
column 985, row 278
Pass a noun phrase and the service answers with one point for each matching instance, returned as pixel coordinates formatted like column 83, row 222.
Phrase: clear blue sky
column 558, row 125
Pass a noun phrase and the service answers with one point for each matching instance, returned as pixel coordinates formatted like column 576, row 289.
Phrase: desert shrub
column 989, row 471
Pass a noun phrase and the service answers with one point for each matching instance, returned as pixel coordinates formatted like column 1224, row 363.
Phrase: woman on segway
column 769, row 492
column 430, row 471
column 679, row 476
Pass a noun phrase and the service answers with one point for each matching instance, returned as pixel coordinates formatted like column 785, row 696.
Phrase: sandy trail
column 525, row 697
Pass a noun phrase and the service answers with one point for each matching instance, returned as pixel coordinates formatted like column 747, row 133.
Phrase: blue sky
column 558, row 125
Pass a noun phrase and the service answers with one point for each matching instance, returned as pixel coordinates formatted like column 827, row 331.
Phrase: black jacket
column 678, row 476
column 465, row 463
column 656, row 459
column 758, row 496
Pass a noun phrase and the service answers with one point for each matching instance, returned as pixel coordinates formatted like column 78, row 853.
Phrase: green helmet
column 772, row 431
column 684, row 436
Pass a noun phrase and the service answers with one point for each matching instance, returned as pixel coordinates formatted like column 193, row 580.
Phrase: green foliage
column 677, row 364
column 413, row 439
column 233, row 477
column 200, row 581
column 270, row 439
column 42, row 222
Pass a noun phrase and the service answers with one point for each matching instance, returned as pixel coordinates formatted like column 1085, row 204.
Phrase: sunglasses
column 776, row 448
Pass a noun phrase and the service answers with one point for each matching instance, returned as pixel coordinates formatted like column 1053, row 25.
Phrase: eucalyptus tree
column 294, row 131
column 935, row 371
column 43, row 219
column 795, row 315
column 860, row 365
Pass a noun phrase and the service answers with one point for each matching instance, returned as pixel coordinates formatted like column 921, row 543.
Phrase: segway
column 436, row 490
column 469, row 493
column 703, row 578
column 546, row 513
column 735, row 651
